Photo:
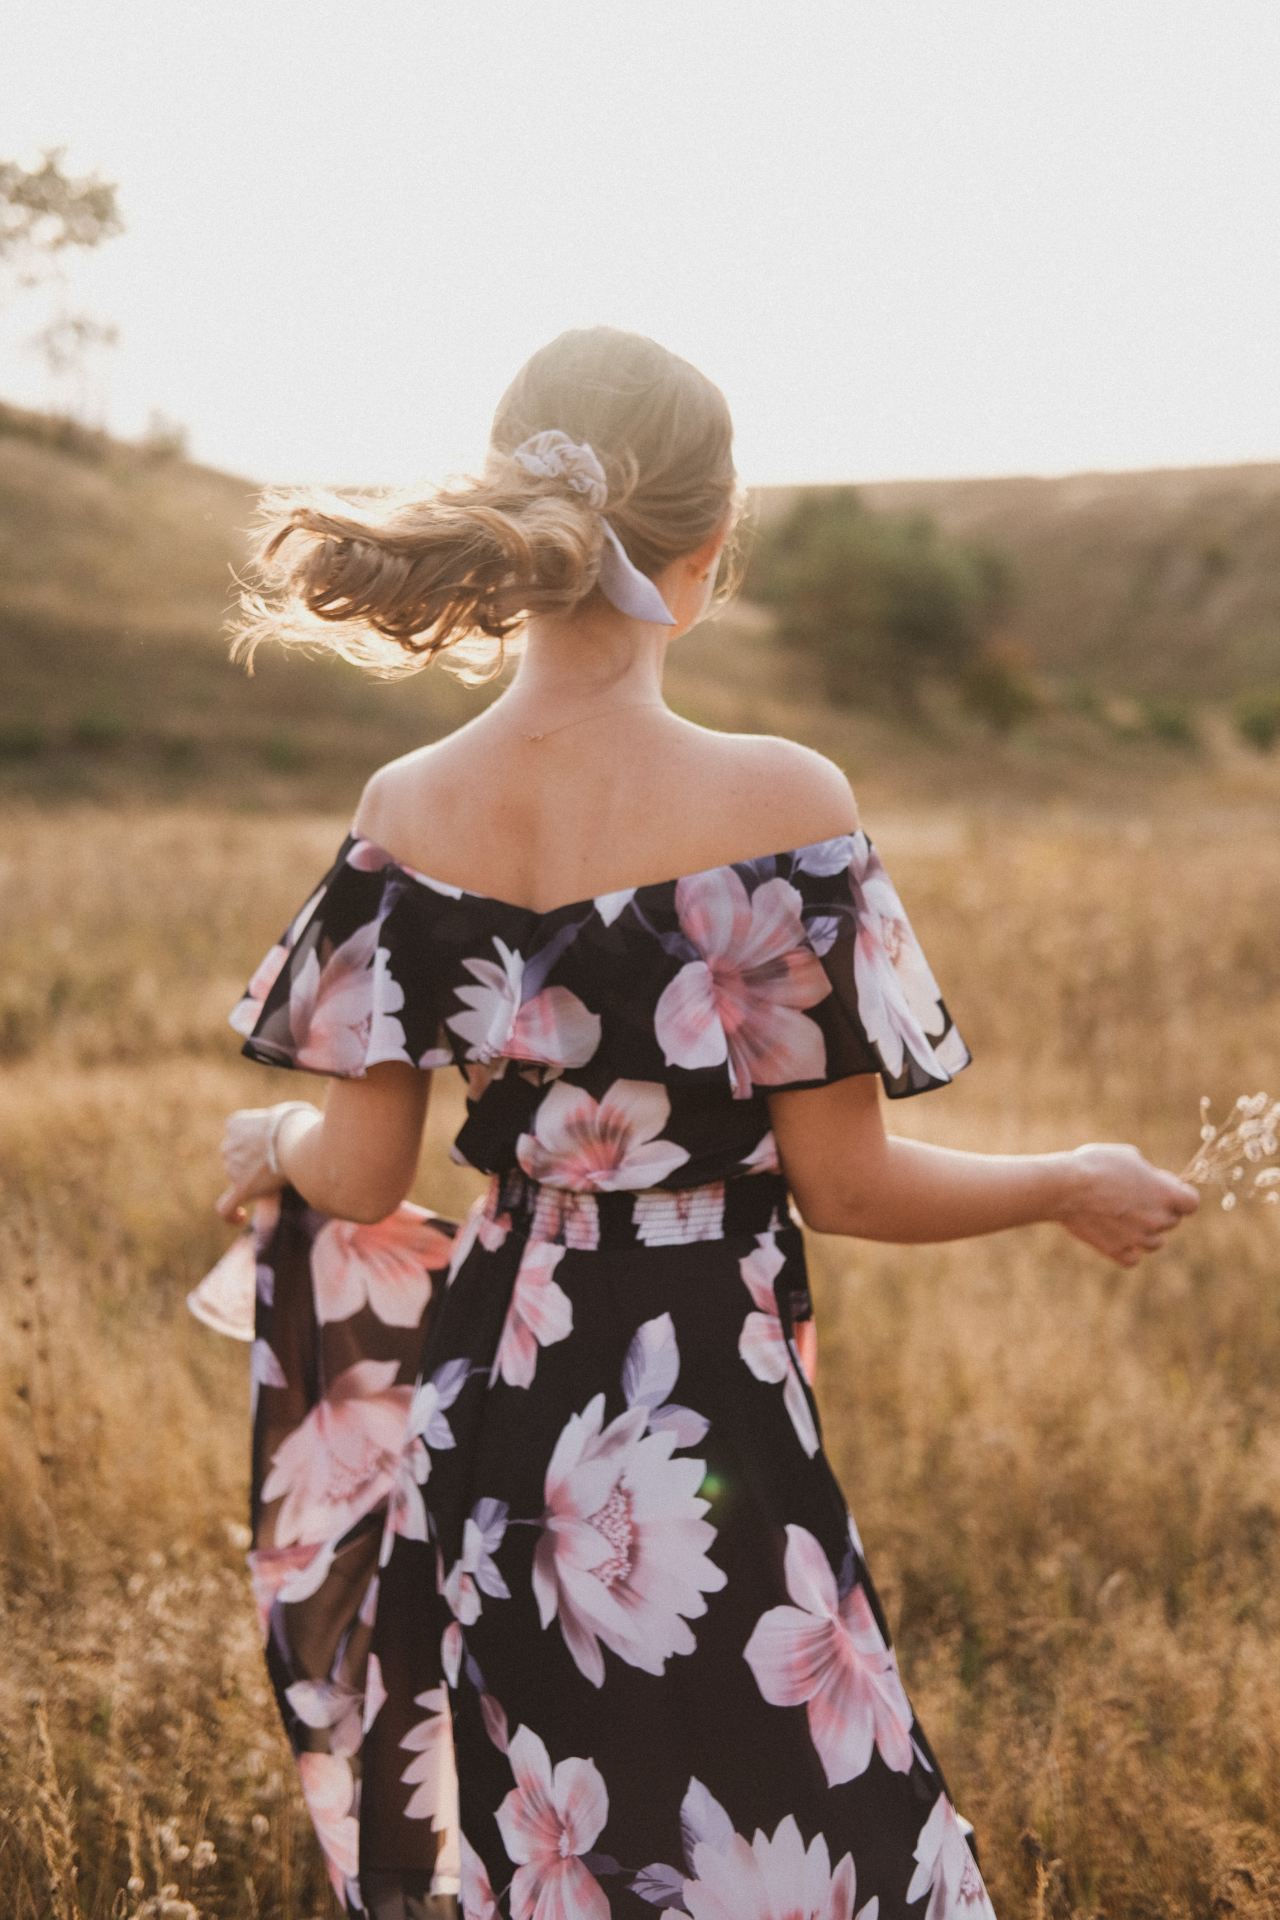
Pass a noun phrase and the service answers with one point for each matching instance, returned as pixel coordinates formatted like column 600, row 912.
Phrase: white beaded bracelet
column 273, row 1132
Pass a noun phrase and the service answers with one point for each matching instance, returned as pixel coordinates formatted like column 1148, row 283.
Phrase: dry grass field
column 1067, row 1474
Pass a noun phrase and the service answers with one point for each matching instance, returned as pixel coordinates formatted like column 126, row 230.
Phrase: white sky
column 906, row 238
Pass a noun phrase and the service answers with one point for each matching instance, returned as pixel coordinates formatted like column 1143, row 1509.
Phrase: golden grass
column 1066, row 1473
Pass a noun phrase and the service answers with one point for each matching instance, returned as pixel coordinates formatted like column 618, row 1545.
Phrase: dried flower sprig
column 1220, row 1158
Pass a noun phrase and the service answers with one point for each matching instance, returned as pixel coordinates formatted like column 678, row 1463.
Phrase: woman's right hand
column 1121, row 1204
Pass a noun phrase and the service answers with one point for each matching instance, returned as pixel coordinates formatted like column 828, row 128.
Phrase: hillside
column 116, row 579
column 1160, row 582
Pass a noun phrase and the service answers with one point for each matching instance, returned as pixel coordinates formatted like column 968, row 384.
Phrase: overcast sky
column 905, row 239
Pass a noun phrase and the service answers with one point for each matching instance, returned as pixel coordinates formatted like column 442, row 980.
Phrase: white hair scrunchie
column 552, row 455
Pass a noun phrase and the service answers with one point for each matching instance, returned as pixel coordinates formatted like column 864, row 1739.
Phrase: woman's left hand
column 244, row 1155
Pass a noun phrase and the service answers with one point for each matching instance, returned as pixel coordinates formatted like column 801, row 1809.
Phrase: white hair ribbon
column 551, row 454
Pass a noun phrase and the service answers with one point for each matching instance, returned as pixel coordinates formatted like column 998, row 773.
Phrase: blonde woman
column 565, row 1611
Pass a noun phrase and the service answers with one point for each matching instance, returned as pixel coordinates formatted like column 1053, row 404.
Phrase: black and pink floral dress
column 564, row 1608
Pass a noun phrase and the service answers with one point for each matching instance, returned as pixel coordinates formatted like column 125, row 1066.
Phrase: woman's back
column 628, row 795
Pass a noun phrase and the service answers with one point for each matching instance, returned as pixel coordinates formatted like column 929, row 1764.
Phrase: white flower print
column 538, row 1314
column 329, row 1788
column 899, row 1001
column 947, row 1871
column 769, row 1878
column 763, row 1343
column 622, row 1556
column 386, row 1266
column 828, row 1653
column 331, row 1704
column 432, row 1772
column 264, row 1371
column 475, row 1571
column 426, row 1428
column 741, row 1002
column 609, row 905
column 825, row 857
column 763, row 1157
column 580, row 1142
column 547, row 1822
column 553, row 1026
column 375, row 1692
column 478, row 1899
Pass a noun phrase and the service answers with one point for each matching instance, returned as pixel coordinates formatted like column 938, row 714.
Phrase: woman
column 564, row 1608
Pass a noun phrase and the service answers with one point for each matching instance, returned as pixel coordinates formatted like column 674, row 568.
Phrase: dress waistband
column 637, row 1216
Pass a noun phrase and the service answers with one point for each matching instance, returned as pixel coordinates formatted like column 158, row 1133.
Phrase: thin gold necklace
column 542, row 732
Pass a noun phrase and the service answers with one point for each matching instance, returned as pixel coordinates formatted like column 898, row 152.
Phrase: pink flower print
column 622, row 1555
column 538, row 1314
column 741, row 1001
column 244, row 1015
column 763, row 1342
column 899, row 1001
column 474, row 1225
column 806, row 1338
column 340, row 1460
column 478, row 1899
column 476, row 1571
column 494, row 1715
column 385, row 1265
column 580, row 1142
column 432, row 1773
column 425, row 1429
column 552, row 1027
column 328, row 1786
column 331, row 1007
column 828, row 1653
column 776, row 1878
column 947, row 1871
column 287, row 1574
column 331, row 1704
column 547, row 1822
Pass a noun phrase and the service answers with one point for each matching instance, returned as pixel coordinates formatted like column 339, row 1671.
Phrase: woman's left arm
column 356, row 1159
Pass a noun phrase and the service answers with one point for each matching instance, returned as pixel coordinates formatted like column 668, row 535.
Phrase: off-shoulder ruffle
column 877, row 1003
column 326, row 997
column 784, row 971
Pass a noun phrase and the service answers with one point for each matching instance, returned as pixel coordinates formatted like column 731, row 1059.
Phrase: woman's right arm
column 848, row 1176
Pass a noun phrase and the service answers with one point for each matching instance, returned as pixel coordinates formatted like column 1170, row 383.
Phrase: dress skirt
column 564, row 1609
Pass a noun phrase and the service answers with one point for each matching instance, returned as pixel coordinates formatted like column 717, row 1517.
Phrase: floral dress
column 563, row 1607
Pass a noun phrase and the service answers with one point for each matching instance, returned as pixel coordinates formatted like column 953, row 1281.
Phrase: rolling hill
column 116, row 578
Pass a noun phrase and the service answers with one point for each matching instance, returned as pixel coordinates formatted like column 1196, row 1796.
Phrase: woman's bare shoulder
column 802, row 793
column 748, row 792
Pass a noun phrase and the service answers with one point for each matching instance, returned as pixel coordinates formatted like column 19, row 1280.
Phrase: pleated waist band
column 637, row 1216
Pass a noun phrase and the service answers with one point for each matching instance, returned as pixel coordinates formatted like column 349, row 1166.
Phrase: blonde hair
column 393, row 579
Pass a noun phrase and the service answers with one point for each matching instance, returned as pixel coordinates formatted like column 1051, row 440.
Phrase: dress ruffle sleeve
column 861, row 977
column 342, row 989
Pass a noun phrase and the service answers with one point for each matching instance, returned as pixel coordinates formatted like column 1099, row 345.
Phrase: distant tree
column 997, row 684
column 878, row 603
column 44, row 211
column 66, row 345
column 164, row 438
column 1257, row 718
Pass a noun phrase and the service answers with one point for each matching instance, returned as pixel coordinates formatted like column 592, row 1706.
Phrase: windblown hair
column 393, row 579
